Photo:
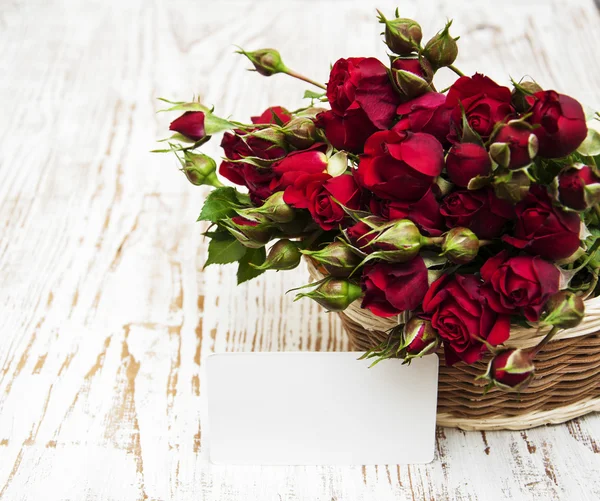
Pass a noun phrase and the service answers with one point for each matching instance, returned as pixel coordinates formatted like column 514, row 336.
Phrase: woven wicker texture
column 567, row 382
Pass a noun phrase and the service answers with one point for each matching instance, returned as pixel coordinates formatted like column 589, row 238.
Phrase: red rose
column 460, row 314
column 578, row 187
column 544, row 229
column 362, row 82
column 400, row 165
column 425, row 212
column 426, row 113
column 325, row 199
column 391, row 288
column 484, row 102
column 273, row 115
column 517, row 145
column 239, row 146
column 479, row 210
column 466, row 161
column 561, row 123
column 520, row 284
column 190, row 124
column 348, row 132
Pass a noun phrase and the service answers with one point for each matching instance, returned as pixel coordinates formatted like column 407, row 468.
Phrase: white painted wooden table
column 105, row 315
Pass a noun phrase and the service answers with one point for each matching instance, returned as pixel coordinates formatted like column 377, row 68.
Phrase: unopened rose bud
column 271, row 134
column 284, row 255
column 514, row 145
column 190, row 125
column 274, row 209
column 511, row 370
column 300, row 132
column 460, row 245
column 577, row 187
column 267, row 62
column 419, row 338
column 402, row 36
column 521, row 93
column 337, row 258
column 249, row 233
column 400, row 241
column 512, row 186
column 442, row 49
column 200, row 169
column 411, row 76
column 564, row 309
column 334, row 294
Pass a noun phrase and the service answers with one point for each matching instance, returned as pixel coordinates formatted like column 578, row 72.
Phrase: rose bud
column 402, row 36
column 419, row 338
column 411, row 76
column 400, row 241
column 200, row 169
column 441, row 50
column 334, row 294
column 337, row 258
column 564, row 310
column 275, row 115
column 267, row 62
column 515, row 145
column 249, row 233
column 274, row 209
column 466, row 161
column 561, row 121
column 520, row 94
column 460, row 245
column 300, row 132
column 511, row 370
column 284, row 255
column 511, row 186
column 190, row 125
column 577, row 187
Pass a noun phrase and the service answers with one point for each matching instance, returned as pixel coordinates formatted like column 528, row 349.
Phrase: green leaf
column 214, row 124
column 591, row 144
column 310, row 94
column 224, row 251
column 246, row 272
column 183, row 106
column 220, row 204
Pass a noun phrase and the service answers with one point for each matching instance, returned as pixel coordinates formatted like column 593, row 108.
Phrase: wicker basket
column 567, row 382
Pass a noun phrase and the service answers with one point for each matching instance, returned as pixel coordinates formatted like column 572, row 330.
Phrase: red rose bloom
column 466, row 161
column 391, row 288
column 348, row 132
column 479, row 210
column 461, row 315
column 561, row 123
column 518, row 138
column 273, row 115
column 362, row 82
column 572, row 191
column 426, row 113
column 326, row 211
column 425, row 212
column 484, row 102
column 543, row 229
column 520, row 284
column 190, row 124
column 400, row 165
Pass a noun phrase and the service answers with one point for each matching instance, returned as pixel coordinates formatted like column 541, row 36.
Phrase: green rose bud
column 300, row 132
column 249, row 233
column 442, row 49
column 460, row 245
column 266, row 61
column 411, row 76
column 200, row 169
column 564, row 309
column 511, row 370
column 284, row 255
column 419, row 338
column 402, row 36
column 399, row 240
column 334, row 294
column 521, row 92
column 337, row 258
column 274, row 209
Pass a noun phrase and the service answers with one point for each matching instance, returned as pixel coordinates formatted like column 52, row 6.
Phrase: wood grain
column 106, row 313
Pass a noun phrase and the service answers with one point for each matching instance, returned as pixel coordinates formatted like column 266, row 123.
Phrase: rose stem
column 544, row 341
column 294, row 74
column 432, row 240
column 456, row 70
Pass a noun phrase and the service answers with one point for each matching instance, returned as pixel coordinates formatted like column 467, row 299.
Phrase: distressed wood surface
column 106, row 313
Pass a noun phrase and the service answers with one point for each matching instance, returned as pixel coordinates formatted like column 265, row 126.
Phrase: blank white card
column 306, row 408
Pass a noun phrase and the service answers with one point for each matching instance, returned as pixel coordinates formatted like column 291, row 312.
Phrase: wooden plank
column 106, row 314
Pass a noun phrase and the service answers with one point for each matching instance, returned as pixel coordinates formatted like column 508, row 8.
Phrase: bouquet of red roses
column 465, row 210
